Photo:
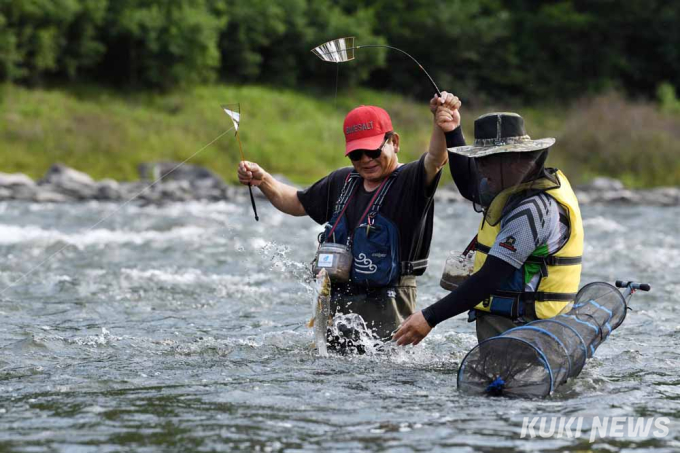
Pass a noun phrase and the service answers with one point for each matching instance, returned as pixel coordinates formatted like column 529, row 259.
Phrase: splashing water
column 206, row 348
column 349, row 334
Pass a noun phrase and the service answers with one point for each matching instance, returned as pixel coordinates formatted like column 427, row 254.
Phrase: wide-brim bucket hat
column 501, row 132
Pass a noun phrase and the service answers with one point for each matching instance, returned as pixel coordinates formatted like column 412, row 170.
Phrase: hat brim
column 481, row 151
column 373, row 142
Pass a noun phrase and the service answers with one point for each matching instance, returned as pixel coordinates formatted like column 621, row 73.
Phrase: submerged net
column 534, row 359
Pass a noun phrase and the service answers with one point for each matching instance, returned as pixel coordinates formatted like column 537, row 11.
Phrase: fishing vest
column 374, row 241
column 560, row 271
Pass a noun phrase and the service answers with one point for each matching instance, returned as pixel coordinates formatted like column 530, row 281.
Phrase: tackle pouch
column 375, row 247
column 336, row 259
column 334, row 252
column 507, row 305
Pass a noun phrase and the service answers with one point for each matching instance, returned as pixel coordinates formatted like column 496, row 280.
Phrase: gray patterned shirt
column 533, row 223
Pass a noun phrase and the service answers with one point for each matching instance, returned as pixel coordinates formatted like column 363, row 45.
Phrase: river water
column 182, row 328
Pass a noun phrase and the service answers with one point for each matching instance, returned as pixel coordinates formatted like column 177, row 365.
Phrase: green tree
column 162, row 43
column 271, row 41
column 527, row 50
column 49, row 37
column 10, row 57
column 455, row 40
column 574, row 47
column 84, row 49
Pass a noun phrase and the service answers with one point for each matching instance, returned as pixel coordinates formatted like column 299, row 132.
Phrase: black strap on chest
column 349, row 188
column 345, row 195
column 347, row 191
column 542, row 261
column 352, row 182
column 413, row 266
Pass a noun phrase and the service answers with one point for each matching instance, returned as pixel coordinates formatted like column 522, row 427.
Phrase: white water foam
column 10, row 235
column 192, row 276
column 103, row 339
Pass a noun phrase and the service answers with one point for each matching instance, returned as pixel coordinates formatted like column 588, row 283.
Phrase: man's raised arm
column 446, row 118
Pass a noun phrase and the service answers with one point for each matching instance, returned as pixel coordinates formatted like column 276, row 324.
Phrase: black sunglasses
column 357, row 154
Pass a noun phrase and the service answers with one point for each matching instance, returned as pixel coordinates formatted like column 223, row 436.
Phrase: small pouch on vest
column 375, row 248
column 508, row 305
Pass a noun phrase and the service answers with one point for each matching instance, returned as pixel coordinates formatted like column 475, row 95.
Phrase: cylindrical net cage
column 534, row 359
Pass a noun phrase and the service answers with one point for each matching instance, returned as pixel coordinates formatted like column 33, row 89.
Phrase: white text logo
column 573, row 427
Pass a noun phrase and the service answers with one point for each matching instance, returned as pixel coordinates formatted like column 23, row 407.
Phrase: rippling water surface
column 182, row 328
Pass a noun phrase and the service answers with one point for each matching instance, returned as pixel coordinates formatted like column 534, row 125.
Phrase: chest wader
column 372, row 282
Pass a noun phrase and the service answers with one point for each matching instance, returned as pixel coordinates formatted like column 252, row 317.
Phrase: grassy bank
column 297, row 133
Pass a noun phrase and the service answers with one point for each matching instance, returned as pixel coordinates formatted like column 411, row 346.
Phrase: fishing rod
column 234, row 112
column 342, row 50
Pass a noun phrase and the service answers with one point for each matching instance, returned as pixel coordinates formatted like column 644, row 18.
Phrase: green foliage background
column 103, row 85
column 525, row 50
column 107, row 133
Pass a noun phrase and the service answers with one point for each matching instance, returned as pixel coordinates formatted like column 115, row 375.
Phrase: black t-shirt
column 404, row 204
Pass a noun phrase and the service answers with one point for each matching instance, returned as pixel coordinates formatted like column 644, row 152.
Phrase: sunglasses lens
column 371, row 153
column 356, row 155
column 374, row 153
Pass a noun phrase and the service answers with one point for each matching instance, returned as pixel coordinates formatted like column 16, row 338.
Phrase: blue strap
column 580, row 338
column 347, row 190
column 592, row 326
column 379, row 199
column 605, row 309
column 557, row 340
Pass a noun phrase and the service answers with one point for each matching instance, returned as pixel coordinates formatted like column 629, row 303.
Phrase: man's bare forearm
column 282, row 196
column 437, row 156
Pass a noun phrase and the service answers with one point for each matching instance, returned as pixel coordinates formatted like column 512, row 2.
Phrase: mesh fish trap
column 534, row 359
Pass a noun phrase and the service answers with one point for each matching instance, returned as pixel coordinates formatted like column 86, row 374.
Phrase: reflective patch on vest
column 364, row 265
column 509, row 243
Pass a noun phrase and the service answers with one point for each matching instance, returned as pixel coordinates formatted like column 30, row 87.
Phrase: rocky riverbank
column 162, row 182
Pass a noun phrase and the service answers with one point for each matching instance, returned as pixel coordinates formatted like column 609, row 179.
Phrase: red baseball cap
column 365, row 128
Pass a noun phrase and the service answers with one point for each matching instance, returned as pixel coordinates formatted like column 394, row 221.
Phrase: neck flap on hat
column 494, row 212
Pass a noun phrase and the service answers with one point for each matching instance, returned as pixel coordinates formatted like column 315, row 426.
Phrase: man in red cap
column 379, row 208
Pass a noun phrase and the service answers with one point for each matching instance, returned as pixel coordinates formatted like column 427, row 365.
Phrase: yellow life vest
column 560, row 270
